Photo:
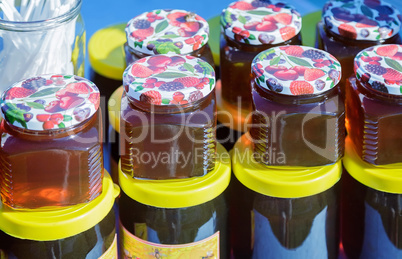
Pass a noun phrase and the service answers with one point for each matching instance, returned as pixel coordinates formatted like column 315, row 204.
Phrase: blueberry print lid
column 169, row 79
column 50, row 102
column 258, row 22
column 370, row 20
column 167, row 31
column 380, row 68
column 296, row 70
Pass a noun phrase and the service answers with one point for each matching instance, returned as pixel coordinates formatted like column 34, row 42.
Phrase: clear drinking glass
column 47, row 40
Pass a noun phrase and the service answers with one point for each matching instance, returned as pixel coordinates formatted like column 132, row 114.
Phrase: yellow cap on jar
column 386, row 178
column 106, row 51
column 47, row 225
column 281, row 181
column 180, row 193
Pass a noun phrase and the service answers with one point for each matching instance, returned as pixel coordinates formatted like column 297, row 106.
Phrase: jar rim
column 167, row 109
column 366, row 87
column 299, row 99
column 51, row 133
column 349, row 41
column 27, row 26
column 296, row 40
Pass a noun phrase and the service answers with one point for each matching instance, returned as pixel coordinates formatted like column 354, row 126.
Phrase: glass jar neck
column 371, row 93
column 45, row 24
column 296, row 99
column 363, row 44
column 40, row 135
column 140, row 54
column 169, row 109
column 296, row 40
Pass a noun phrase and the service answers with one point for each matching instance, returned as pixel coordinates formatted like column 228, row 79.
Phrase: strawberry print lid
column 169, row 79
column 50, row 102
column 167, row 31
column 370, row 20
column 296, row 70
column 258, row 22
column 380, row 68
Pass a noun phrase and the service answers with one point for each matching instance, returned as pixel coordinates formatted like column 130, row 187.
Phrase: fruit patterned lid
column 296, row 70
column 380, row 68
column 371, row 20
column 258, row 22
column 50, row 102
column 169, row 79
column 167, row 31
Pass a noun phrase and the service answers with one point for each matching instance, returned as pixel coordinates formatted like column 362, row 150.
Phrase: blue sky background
column 100, row 13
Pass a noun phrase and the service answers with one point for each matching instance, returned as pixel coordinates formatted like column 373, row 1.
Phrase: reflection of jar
column 80, row 231
column 167, row 31
column 49, row 45
column 51, row 150
column 299, row 115
column 250, row 27
column 283, row 212
column 371, row 208
column 186, row 218
column 349, row 27
column 374, row 105
column 168, row 118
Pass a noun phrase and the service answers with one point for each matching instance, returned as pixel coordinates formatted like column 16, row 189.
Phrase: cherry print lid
column 50, row 102
column 370, row 20
column 167, row 31
column 169, row 79
column 258, row 22
column 296, row 70
column 380, row 68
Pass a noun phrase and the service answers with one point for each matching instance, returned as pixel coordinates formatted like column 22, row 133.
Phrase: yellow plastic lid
column 106, row 51
column 382, row 178
column 180, row 193
column 281, row 181
column 114, row 105
column 47, row 225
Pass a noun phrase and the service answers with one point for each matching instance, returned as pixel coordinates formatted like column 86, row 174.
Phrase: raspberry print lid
column 296, row 70
column 380, row 68
column 169, row 79
column 258, row 22
column 370, row 20
column 167, row 31
column 50, row 102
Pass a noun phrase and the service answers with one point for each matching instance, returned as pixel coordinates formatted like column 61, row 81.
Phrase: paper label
column 111, row 253
column 134, row 247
